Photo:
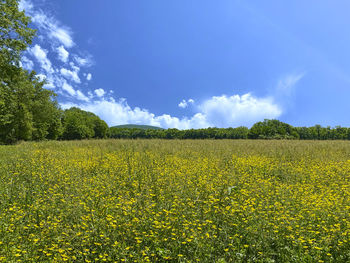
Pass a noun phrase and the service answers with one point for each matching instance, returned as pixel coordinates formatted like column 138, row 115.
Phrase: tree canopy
column 27, row 110
column 79, row 124
column 15, row 36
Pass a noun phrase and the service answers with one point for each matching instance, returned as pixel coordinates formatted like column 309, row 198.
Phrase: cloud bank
column 218, row 111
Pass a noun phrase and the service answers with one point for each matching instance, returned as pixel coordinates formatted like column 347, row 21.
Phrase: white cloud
column 286, row 85
column 184, row 104
column 58, row 40
column 63, row 35
column 115, row 113
column 285, row 90
column 63, row 54
column 49, row 85
column 81, row 96
column 41, row 56
column 221, row 111
column 68, row 88
column 236, row 110
column 77, row 94
column 71, row 75
column 27, row 63
column 48, row 24
column 25, row 5
column 99, row 92
column 83, row 62
column 41, row 77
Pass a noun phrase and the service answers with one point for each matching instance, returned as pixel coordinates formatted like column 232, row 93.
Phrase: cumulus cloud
column 184, row 104
column 63, row 54
column 115, row 113
column 41, row 56
column 88, row 77
column 71, row 75
column 99, row 92
column 225, row 111
column 218, row 111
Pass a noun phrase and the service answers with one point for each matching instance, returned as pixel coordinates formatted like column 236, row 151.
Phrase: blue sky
column 193, row 64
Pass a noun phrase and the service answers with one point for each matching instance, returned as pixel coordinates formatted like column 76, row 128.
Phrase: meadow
column 175, row 201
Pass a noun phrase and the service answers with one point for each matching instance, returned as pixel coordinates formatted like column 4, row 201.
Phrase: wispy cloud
column 68, row 88
column 82, row 96
column 71, row 75
column 63, row 54
column 56, row 56
column 52, row 28
column 84, row 61
column 27, row 63
column 286, row 88
column 286, row 85
column 41, row 56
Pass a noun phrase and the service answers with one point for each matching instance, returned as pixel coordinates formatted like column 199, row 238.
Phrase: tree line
column 267, row 129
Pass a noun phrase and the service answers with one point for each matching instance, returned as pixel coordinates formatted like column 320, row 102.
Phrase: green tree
column 15, row 36
column 79, row 124
column 27, row 110
column 272, row 129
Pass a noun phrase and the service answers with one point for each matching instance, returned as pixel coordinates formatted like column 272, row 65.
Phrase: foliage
column 15, row 36
column 79, row 124
column 272, row 129
column 137, row 126
column 268, row 129
column 175, row 201
column 27, row 110
column 209, row 133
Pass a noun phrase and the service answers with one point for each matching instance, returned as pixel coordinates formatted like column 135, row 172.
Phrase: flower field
column 175, row 201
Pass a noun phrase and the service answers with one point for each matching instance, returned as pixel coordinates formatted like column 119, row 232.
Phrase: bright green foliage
column 137, row 126
column 272, row 129
column 27, row 110
column 15, row 35
column 79, row 124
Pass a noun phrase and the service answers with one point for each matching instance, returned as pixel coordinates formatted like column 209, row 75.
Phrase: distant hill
column 136, row 126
